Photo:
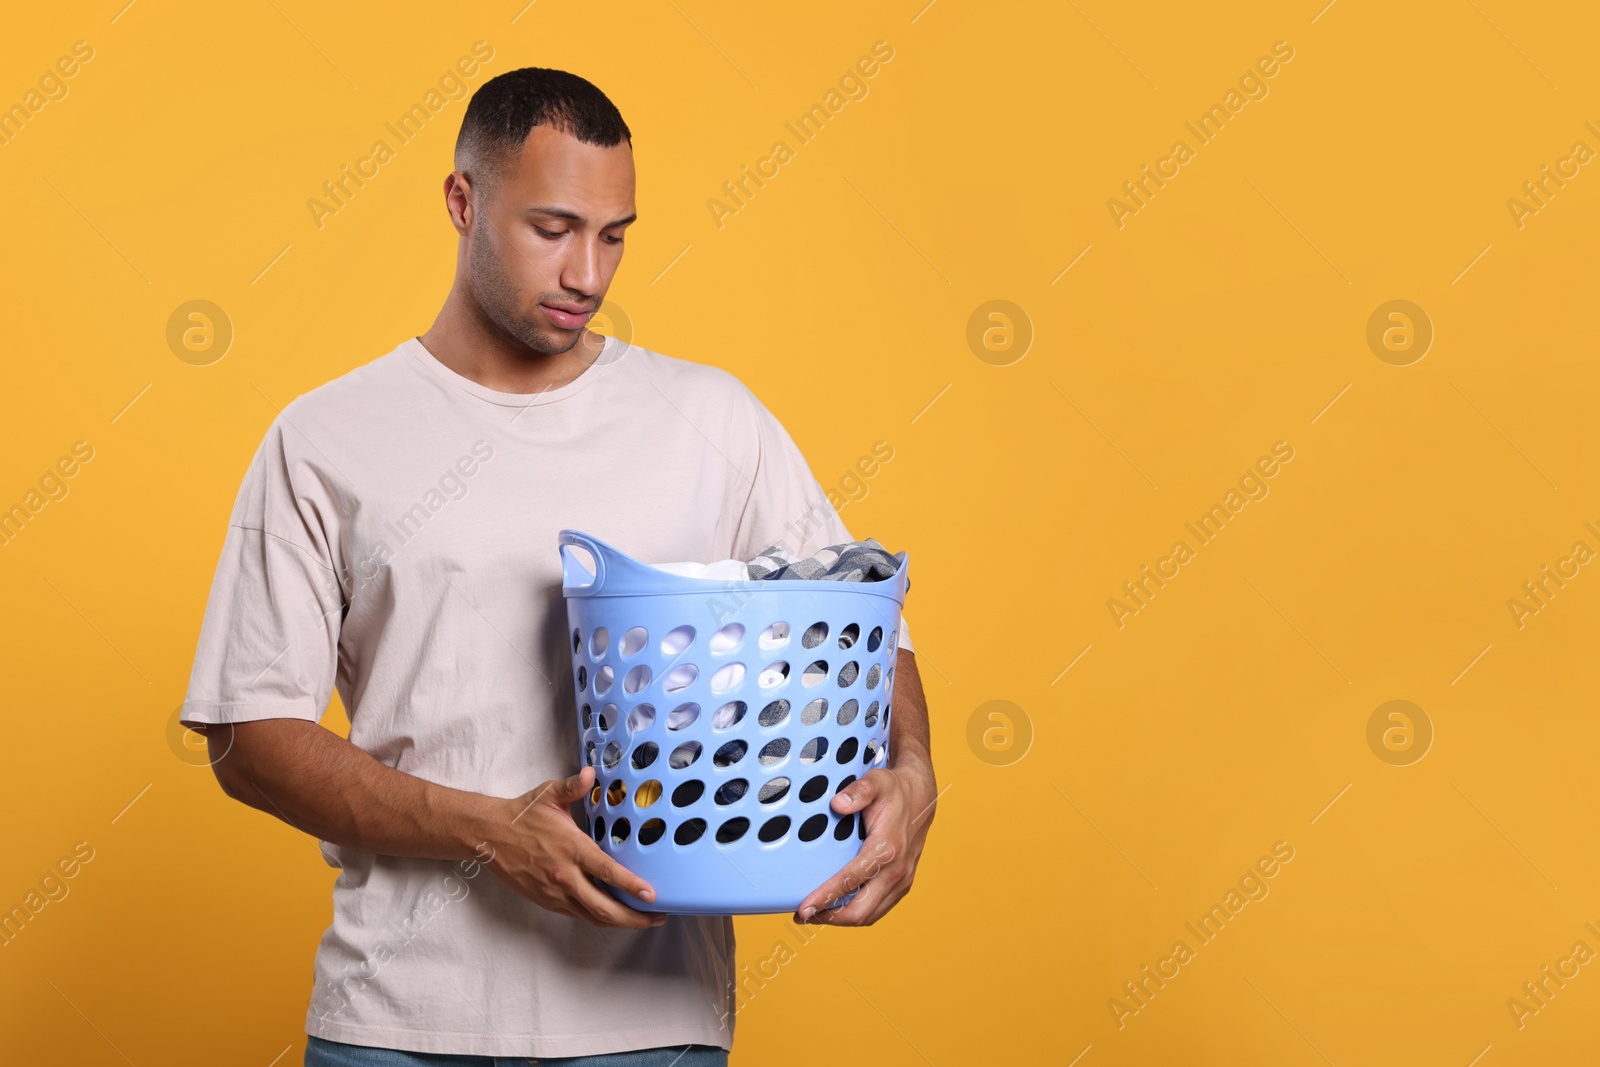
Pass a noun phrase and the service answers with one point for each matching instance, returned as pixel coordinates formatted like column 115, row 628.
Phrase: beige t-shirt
column 395, row 535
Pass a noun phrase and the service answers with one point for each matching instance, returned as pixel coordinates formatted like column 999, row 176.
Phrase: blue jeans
column 320, row 1053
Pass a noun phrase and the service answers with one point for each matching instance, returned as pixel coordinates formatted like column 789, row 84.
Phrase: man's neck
column 484, row 354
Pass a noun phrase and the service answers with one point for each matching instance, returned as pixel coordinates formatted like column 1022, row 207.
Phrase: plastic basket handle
column 576, row 579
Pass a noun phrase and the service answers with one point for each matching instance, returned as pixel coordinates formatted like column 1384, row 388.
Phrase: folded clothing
column 851, row 561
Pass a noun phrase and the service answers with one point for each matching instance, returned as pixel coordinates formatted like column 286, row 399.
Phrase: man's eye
column 613, row 240
column 546, row 233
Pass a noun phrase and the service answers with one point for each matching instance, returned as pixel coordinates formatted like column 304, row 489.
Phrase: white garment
column 395, row 536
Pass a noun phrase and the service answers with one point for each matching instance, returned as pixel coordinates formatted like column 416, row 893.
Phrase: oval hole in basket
column 599, row 641
column 617, row 793
column 641, row 717
column 814, row 750
column 731, row 791
column 677, row 640
column 619, row 831
column 634, row 640
column 815, row 634
column 874, row 639
column 689, row 831
column 599, row 828
column 775, row 674
column 814, row 712
column 849, row 635
column 847, row 712
column 644, row 755
column 810, row 830
column 651, row 831
column 682, row 716
column 603, row 679
column 773, row 829
column 774, row 714
column 728, row 676
column 647, row 793
column 680, row 677
column 815, row 674
column 775, row 751
column 847, row 750
column 872, row 714
column 612, row 755
column 637, row 679
column 577, row 641
column 730, row 753
column 775, row 636
column 842, row 830
column 874, row 672
column 812, row 790
column 732, row 830
column 729, row 714
column 684, row 755
column 727, row 639
column 773, row 791
column 847, row 673
column 688, row 793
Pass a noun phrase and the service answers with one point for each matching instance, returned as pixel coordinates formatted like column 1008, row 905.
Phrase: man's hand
column 321, row 784
column 896, row 804
column 534, row 847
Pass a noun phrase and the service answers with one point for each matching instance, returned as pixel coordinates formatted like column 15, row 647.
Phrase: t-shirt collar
column 611, row 352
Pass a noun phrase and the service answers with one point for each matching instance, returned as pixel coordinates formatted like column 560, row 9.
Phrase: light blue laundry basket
column 721, row 718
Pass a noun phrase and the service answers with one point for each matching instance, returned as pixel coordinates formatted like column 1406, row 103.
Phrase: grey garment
column 322, row 1053
column 852, row 561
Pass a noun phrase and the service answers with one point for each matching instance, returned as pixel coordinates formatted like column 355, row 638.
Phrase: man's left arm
column 896, row 803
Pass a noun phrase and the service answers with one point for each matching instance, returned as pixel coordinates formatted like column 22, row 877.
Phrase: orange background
column 1112, row 802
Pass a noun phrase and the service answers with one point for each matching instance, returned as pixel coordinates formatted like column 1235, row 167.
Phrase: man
column 395, row 535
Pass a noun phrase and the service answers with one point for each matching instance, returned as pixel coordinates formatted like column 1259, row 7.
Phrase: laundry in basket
column 721, row 717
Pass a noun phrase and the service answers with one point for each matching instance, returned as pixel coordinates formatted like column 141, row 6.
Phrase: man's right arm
column 318, row 782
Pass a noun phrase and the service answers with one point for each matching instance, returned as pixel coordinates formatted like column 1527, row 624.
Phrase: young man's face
column 541, row 253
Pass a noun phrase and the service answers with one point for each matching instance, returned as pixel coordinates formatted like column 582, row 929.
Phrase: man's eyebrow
column 573, row 216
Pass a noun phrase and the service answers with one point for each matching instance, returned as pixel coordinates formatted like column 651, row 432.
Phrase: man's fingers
column 596, row 862
column 608, row 910
column 859, row 793
column 866, row 907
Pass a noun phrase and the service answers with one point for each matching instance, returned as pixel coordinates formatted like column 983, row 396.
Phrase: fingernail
column 806, row 913
column 659, row 920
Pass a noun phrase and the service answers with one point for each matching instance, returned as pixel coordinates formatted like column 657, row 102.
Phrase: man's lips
column 568, row 316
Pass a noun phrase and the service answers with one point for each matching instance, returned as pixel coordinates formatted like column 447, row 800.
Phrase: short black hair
column 507, row 107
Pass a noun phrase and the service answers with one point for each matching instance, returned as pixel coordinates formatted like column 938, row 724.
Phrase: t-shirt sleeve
column 269, row 640
column 787, row 506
